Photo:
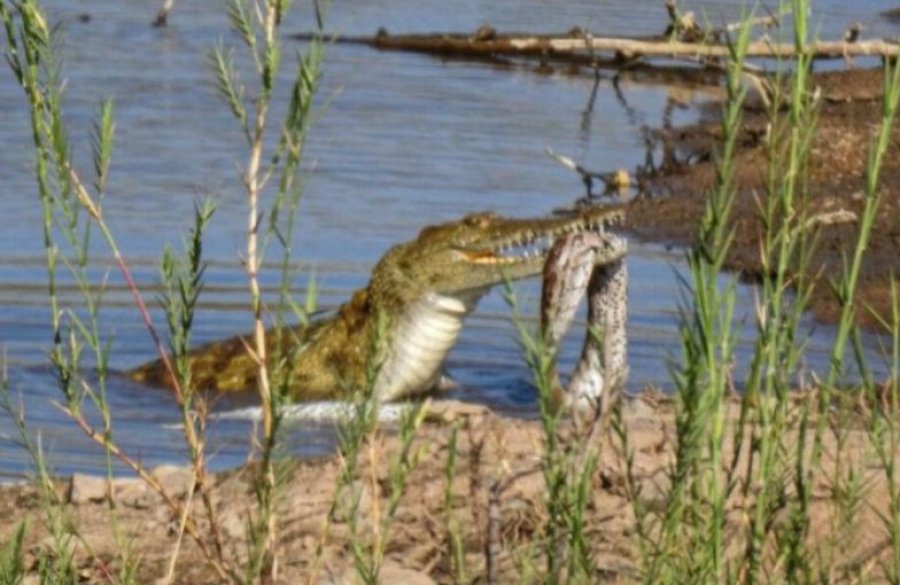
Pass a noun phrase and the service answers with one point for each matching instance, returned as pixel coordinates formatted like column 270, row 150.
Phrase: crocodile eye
column 480, row 220
column 428, row 231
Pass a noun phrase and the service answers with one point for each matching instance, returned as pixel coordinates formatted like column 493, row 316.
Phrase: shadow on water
column 405, row 141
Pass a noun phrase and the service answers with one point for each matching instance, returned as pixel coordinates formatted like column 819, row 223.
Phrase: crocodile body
column 420, row 291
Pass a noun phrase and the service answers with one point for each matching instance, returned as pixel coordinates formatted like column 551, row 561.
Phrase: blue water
column 402, row 141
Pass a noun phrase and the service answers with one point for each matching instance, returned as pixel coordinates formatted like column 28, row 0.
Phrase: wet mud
column 848, row 121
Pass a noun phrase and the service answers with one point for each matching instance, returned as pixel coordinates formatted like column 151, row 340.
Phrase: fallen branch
column 546, row 45
column 162, row 17
column 613, row 182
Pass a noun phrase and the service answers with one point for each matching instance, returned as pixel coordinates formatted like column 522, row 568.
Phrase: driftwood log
column 481, row 44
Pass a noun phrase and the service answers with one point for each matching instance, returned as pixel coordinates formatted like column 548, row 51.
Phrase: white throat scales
column 421, row 339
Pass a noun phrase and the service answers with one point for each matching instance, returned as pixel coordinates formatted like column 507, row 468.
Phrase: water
column 403, row 141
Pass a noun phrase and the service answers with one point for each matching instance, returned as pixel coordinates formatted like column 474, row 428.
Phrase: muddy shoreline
column 848, row 121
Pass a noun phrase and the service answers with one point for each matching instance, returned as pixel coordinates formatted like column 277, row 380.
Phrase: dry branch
column 162, row 17
column 819, row 50
column 530, row 45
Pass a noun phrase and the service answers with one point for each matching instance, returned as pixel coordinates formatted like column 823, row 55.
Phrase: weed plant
column 568, row 462
column 776, row 449
column 357, row 498
column 72, row 211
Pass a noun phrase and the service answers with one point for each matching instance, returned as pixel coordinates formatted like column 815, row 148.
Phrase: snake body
column 570, row 273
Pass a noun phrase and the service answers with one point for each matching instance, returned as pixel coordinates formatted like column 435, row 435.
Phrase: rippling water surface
column 404, row 140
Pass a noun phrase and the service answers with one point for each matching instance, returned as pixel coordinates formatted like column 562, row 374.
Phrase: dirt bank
column 491, row 451
column 849, row 119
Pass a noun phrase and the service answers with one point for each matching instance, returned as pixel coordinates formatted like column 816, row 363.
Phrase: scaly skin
column 571, row 270
column 421, row 289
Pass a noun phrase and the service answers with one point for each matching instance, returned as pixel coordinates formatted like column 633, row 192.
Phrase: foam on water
column 325, row 411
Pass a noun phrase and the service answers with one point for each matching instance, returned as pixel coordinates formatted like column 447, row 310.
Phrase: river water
column 403, row 141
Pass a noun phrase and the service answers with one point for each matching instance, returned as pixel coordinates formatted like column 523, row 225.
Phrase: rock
column 656, row 490
column 134, row 493
column 343, row 508
column 49, row 545
column 391, row 572
column 447, row 411
column 85, row 489
column 176, row 480
column 483, row 33
column 131, row 492
column 233, row 524
column 309, row 542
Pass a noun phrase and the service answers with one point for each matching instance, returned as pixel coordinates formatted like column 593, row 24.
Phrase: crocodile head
column 427, row 286
column 464, row 257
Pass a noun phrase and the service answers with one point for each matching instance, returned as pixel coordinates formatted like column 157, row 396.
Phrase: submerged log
column 482, row 45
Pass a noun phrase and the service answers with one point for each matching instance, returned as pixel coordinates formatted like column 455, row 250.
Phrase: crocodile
column 414, row 304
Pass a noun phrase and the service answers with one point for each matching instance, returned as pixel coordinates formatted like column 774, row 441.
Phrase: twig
column 767, row 21
column 493, row 548
column 182, row 522
column 319, row 20
column 162, row 17
column 254, row 180
column 85, row 199
column 190, row 527
column 589, row 109
column 611, row 181
column 190, row 430
column 620, row 97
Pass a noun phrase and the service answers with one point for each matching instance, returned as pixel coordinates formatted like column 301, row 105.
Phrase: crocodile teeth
column 494, row 260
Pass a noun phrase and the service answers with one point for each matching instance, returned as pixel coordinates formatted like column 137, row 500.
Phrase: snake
column 571, row 273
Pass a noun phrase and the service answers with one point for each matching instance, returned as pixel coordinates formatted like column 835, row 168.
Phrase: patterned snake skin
column 569, row 273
